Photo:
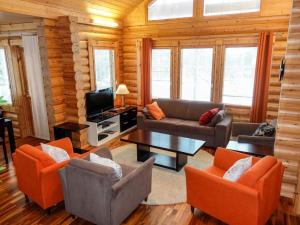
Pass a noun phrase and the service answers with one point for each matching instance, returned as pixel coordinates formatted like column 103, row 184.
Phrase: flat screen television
column 99, row 101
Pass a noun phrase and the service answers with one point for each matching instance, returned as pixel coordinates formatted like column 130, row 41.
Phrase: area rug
column 168, row 186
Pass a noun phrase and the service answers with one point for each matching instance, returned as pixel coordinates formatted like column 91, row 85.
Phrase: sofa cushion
column 37, row 154
column 166, row 124
column 155, row 111
column 193, row 127
column 206, row 117
column 184, row 109
column 251, row 176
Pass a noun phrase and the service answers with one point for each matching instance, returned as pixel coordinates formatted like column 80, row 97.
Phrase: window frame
column 9, row 65
column 182, row 19
column 218, row 43
column 171, row 69
column 212, row 71
column 222, row 68
column 103, row 45
column 234, row 15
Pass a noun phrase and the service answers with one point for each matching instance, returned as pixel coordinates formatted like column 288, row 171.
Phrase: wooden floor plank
column 15, row 210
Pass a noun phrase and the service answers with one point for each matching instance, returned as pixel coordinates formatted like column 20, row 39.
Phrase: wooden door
column 23, row 102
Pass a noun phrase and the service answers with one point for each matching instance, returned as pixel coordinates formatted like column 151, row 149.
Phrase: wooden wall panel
column 287, row 146
column 137, row 27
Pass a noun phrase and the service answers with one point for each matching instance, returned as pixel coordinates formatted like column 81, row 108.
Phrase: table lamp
column 122, row 90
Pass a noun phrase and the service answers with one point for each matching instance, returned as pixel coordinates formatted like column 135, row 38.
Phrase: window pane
column 239, row 74
column 223, row 7
column 170, row 9
column 196, row 72
column 104, row 68
column 161, row 73
column 4, row 79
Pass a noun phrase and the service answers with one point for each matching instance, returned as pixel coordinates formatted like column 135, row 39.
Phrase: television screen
column 99, row 101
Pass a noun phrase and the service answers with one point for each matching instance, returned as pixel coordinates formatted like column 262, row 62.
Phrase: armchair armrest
column 257, row 140
column 223, row 131
column 219, row 197
column 50, row 182
column 139, row 177
column 243, row 128
column 131, row 190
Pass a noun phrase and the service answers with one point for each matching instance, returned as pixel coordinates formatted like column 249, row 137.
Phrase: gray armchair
column 93, row 193
column 244, row 131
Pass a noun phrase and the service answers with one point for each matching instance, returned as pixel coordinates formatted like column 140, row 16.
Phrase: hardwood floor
column 15, row 210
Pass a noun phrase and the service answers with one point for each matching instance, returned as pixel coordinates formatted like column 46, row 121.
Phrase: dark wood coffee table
column 183, row 147
column 251, row 149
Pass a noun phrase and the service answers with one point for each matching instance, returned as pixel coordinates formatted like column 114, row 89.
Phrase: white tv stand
column 111, row 124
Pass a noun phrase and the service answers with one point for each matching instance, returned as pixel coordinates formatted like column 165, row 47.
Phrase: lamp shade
column 122, row 90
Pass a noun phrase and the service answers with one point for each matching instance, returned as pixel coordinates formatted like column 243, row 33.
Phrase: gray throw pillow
column 265, row 129
column 217, row 118
column 147, row 114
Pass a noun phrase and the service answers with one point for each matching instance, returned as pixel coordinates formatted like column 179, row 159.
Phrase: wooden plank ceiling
column 115, row 9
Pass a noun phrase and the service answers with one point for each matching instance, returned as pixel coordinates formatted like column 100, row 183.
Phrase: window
column 170, row 9
column 224, row 7
column 161, row 73
column 4, row 78
column 104, row 68
column 239, row 74
column 196, row 73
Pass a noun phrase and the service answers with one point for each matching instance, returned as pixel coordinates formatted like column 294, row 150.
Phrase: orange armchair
column 251, row 200
column 37, row 173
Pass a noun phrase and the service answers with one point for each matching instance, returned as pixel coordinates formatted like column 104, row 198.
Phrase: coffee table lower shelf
column 165, row 161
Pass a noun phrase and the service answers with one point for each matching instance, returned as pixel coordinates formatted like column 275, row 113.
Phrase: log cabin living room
column 150, row 112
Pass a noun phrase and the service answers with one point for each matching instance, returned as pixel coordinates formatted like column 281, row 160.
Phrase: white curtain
column 36, row 86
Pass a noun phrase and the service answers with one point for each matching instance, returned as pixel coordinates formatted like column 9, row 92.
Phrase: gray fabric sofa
column 182, row 119
column 243, row 133
column 92, row 192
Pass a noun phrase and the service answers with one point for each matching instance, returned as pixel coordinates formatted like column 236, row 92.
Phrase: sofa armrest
column 221, row 198
column 140, row 119
column 223, row 131
column 257, row 140
column 243, row 128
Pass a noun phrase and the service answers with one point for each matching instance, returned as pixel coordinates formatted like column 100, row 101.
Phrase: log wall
column 52, row 67
column 287, row 146
column 137, row 27
column 75, row 38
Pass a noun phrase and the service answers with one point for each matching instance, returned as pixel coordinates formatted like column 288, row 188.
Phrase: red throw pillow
column 205, row 118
